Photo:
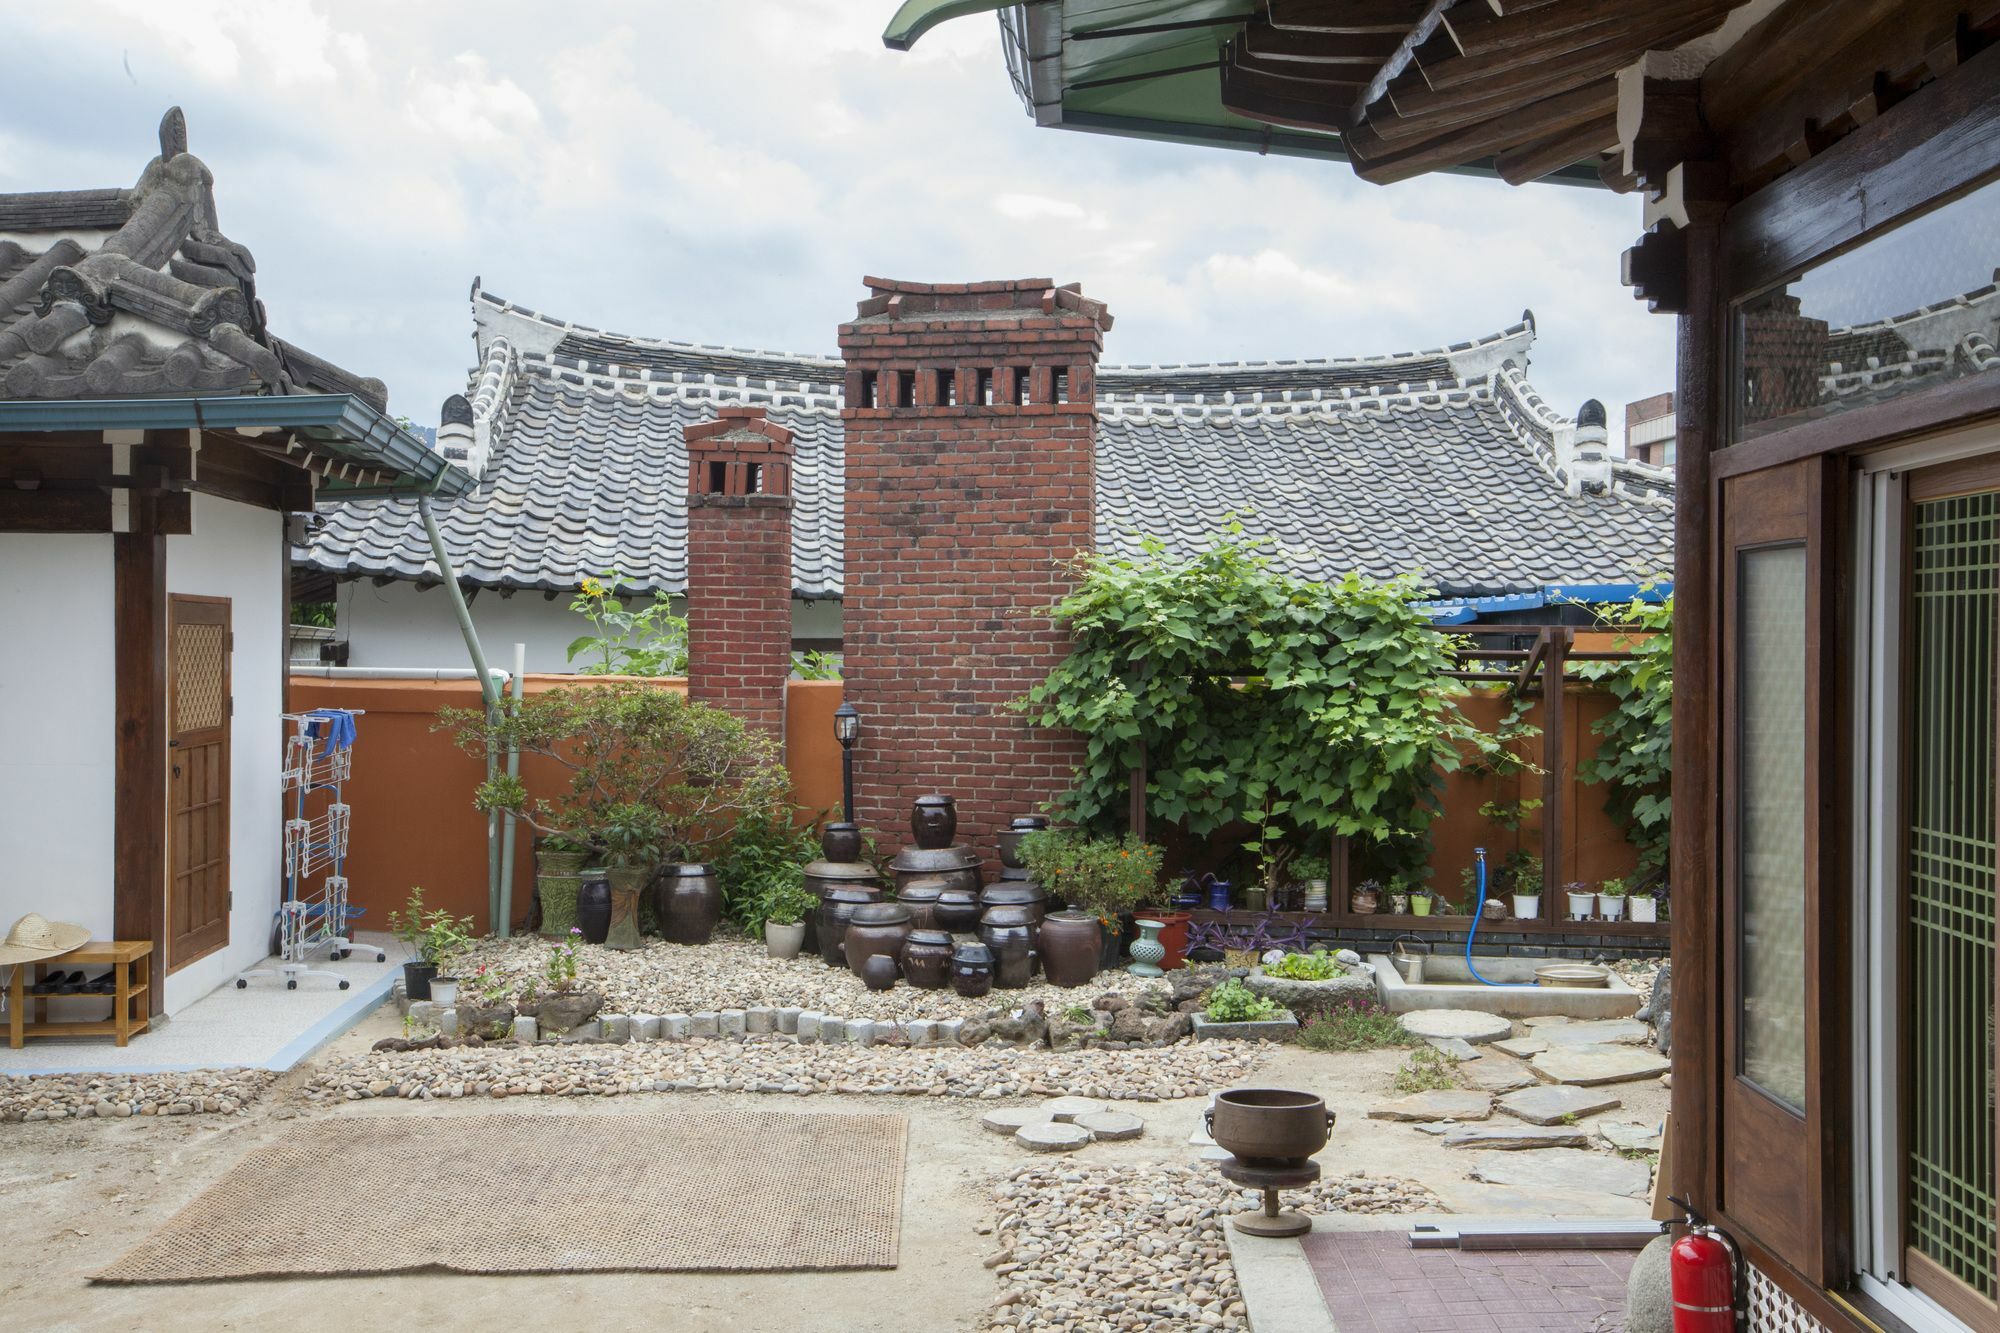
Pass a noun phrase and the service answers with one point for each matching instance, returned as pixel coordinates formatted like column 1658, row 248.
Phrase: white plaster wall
column 57, row 729
column 400, row 625
column 235, row 551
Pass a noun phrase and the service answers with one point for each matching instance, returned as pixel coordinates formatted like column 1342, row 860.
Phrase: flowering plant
column 561, row 970
column 1101, row 875
column 648, row 642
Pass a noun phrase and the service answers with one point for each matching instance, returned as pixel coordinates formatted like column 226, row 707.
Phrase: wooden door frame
column 175, row 600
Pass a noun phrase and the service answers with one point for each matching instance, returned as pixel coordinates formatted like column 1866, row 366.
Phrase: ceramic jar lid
column 936, row 938
column 922, row 890
column 858, row 871
column 933, row 859
column 972, row 951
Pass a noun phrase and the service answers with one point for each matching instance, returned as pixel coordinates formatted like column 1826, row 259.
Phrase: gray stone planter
column 1307, row 998
column 1266, row 1029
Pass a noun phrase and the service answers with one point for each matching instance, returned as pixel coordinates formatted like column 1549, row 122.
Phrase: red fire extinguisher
column 1705, row 1267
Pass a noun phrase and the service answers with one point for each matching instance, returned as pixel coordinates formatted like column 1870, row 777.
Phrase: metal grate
column 1950, row 870
column 201, row 673
column 1772, row 1311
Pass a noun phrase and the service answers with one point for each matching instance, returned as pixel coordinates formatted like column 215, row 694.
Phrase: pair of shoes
column 58, row 983
column 104, row 985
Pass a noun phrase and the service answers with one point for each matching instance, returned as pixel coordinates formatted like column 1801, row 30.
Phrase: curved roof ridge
column 643, row 341
column 1522, row 331
column 572, row 374
column 1295, row 402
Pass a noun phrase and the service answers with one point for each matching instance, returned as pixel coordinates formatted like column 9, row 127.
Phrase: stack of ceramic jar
column 841, row 882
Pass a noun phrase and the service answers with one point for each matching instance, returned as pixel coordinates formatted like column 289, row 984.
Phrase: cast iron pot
column 972, row 970
column 927, row 959
column 836, row 909
column 417, row 979
column 1269, row 1127
column 689, row 903
column 593, row 908
column 1070, row 948
column 875, row 930
column 934, row 822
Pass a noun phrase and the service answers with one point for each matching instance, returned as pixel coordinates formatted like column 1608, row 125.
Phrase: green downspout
column 515, row 688
column 487, row 693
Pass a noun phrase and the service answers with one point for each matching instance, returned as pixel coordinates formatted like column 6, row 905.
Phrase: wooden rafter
column 1548, row 117
column 1609, row 45
column 1368, row 49
column 1537, row 158
column 1334, row 84
column 1478, row 29
column 1394, row 17
column 1274, row 101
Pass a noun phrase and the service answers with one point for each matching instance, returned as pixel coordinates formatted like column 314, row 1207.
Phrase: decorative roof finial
column 1590, row 414
column 173, row 134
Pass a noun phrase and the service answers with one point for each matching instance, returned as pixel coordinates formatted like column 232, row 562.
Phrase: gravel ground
column 1638, row 973
column 1186, row 1070
column 1093, row 1248
column 62, row 1096
column 733, row 973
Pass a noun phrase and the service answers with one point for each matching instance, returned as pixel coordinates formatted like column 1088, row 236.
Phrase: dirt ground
column 79, row 1193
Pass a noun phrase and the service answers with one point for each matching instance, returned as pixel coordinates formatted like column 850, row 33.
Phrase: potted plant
column 1102, row 878
column 1365, row 896
column 784, row 911
column 1528, row 905
column 434, row 935
column 1645, row 906
column 631, row 835
column 1611, row 899
column 1399, row 900
column 1581, row 900
column 1421, row 901
column 1311, row 872
column 1527, row 886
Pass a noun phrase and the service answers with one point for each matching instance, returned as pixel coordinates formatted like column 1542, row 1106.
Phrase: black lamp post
column 846, row 727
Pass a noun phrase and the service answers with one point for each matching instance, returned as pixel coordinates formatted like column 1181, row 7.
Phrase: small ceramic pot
column 560, row 863
column 972, row 970
column 1580, row 905
column 593, row 907
column 1493, row 910
column 1611, row 909
column 1071, row 944
column 1645, row 909
column 840, row 842
column 879, row 972
column 1218, row 895
column 934, row 822
column 1173, row 937
column 557, row 895
column 1399, row 904
column 691, row 898
column 836, row 909
column 1009, row 843
column 1010, row 936
column 784, row 941
column 927, row 959
column 1253, row 900
column 921, row 897
column 1363, row 901
column 1315, row 895
column 1147, row 951
column 1420, row 904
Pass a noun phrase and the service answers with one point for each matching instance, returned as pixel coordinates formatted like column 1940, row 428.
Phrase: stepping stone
column 1062, row 1110
column 1498, row 1074
column 1465, row 1024
column 1625, row 1135
column 1588, row 1066
column 1517, row 1138
column 1455, row 1047
column 1606, row 1032
column 1552, row 1103
column 1111, row 1125
column 1544, row 1021
column 1051, row 1137
column 1450, row 1104
column 1523, row 1047
column 1009, row 1119
column 1566, row 1168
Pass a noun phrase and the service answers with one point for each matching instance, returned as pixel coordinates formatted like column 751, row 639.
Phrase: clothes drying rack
column 319, row 760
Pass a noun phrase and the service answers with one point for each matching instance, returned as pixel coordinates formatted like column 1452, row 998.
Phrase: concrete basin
column 1448, row 984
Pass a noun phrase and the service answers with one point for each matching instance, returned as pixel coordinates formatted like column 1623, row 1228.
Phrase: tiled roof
column 1442, row 461
column 136, row 293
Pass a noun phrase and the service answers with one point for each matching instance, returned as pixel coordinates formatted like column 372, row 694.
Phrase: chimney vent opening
column 945, row 383
column 1017, row 392
column 985, row 388
column 1059, row 384
column 871, row 389
column 718, row 477
column 906, row 388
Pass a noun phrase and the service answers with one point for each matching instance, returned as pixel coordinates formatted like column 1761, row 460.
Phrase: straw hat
column 35, row 937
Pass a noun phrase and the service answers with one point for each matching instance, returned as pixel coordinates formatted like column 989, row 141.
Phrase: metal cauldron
column 1269, row 1127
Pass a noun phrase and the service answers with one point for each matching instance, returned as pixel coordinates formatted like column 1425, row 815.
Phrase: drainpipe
column 489, row 694
column 514, row 689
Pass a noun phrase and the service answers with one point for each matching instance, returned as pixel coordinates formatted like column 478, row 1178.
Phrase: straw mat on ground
column 729, row 1192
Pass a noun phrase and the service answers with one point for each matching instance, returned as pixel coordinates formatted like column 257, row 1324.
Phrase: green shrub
column 1428, row 1070
column 1102, row 875
column 1233, row 1002
column 1318, row 965
column 1359, row 1025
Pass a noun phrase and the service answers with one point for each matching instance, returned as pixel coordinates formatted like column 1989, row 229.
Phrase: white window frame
column 1879, row 487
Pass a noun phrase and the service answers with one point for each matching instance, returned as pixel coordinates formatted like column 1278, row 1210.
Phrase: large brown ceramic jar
column 692, row 897
column 840, row 842
column 1024, row 894
column 972, row 969
column 1070, row 943
column 927, row 959
column 822, row 876
column 1010, row 933
column 875, row 928
column 934, row 822
column 921, row 897
column 958, row 909
column 836, row 909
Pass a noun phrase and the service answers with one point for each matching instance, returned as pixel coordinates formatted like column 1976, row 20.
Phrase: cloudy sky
column 726, row 170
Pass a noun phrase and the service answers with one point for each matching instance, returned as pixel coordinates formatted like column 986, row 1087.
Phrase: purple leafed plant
column 1269, row 932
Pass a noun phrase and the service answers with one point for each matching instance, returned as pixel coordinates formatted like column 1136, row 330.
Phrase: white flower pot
column 1527, row 906
column 1611, row 909
column 444, row 990
column 784, row 941
column 1580, row 905
column 1645, row 909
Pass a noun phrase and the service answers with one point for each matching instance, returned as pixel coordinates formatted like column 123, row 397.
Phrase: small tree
column 1635, row 757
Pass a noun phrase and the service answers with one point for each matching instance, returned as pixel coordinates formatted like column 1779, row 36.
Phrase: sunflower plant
column 636, row 641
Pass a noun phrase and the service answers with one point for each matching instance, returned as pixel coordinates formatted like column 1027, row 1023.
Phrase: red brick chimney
column 739, row 596
column 970, row 420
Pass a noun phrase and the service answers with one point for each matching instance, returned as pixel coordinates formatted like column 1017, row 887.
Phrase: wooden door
column 199, row 705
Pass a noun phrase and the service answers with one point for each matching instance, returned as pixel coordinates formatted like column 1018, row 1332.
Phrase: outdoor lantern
column 846, row 726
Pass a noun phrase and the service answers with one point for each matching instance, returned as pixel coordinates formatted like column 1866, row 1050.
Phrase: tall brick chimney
column 739, row 596
column 970, row 419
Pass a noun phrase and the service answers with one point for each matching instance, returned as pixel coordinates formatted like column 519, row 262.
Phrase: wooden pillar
column 139, row 828
column 1697, row 899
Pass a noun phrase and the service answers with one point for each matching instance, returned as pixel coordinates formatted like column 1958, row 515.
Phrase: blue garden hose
column 1479, row 855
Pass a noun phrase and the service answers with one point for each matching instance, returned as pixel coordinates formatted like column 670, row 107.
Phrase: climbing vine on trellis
column 1635, row 756
column 1257, row 698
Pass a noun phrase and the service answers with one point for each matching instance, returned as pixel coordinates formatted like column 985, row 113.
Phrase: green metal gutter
column 351, row 429
column 918, row 17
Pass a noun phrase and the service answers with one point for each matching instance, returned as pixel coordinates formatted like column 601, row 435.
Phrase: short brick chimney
column 970, row 423
column 739, row 596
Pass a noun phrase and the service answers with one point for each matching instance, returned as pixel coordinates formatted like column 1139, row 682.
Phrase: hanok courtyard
column 956, row 830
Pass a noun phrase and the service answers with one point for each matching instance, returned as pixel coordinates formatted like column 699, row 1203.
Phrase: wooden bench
column 131, row 963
